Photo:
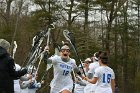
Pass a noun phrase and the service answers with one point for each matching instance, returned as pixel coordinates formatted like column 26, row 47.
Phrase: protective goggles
column 65, row 50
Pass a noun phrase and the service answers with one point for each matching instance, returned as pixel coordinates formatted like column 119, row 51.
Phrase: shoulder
column 72, row 61
column 91, row 65
column 8, row 59
column 55, row 57
column 111, row 69
column 94, row 64
column 100, row 68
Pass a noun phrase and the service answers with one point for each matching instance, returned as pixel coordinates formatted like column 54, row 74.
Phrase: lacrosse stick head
column 69, row 37
column 15, row 43
column 66, row 34
column 15, row 47
column 51, row 26
column 31, row 69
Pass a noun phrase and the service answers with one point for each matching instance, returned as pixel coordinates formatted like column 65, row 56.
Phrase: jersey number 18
column 65, row 72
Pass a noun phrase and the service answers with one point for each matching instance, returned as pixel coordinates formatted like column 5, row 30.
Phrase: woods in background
column 109, row 25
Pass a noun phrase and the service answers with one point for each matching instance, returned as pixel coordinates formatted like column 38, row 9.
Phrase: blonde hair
column 4, row 44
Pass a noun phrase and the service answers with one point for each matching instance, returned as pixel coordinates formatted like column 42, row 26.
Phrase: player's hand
column 23, row 71
column 76, row 79
column 46, row 48
column 85, row 78
column 29, row 76
column 42, row 82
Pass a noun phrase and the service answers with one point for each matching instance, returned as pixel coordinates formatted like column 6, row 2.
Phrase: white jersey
column 24, row 86
column 31, row 90
column 90, row 88
column 16, row 82
column 30, row 87
column 104, row 74
column 62, row 74
column 93, row 66
column 16, row 86
column 79, row 88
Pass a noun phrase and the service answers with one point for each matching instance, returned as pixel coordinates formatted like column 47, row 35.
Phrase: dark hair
column 104, row 57
column 65, row 43
column 97, row 54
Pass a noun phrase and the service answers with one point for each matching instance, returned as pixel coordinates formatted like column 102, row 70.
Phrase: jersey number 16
column 106, row 78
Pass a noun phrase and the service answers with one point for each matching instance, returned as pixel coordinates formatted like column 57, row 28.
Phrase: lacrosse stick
column 69, row 36
column 45, row 49
column 37, row 41
column 14, row 49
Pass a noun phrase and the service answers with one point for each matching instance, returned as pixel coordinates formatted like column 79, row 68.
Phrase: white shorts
column 17, row 88
column 78, row 88
column 58, row 90
column 24, row 90
column 90, row 88
column 103, row 90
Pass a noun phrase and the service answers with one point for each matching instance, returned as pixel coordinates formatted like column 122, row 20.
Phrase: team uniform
column 80, row 84
column 16, row 82
column 104, row 75
column 90, row 88
column 31, row 85
column 62, row 74
column 24, row 85
column 93, row 66
column 32, row 88
column 79, row 88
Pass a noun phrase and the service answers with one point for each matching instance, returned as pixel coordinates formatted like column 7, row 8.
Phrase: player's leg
column 65, row 91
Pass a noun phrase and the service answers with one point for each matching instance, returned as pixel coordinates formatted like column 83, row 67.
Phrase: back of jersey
column 105, row 74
